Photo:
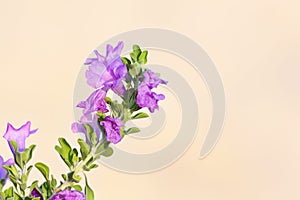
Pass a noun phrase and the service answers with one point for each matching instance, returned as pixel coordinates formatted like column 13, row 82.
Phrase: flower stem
column 63, row 186
column 77, row 170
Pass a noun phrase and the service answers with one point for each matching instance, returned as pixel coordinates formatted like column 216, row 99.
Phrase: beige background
column 255, row 46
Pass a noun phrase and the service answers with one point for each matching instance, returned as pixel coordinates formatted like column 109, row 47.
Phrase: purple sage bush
column 103, row 122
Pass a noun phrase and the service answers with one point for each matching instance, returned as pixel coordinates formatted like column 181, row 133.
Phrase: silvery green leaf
column 143, row 58
column 88, row 190
column 132, row 130
column 91, row 135
column 44, row 169
column 108, row 152
column 84, row 148
column 64, row 151
column 140, row 115
column 135, row 53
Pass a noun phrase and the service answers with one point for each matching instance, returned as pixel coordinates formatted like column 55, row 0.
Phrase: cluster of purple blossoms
column 146, row 97
column 109, row 72
column 130, row 81
column 104, row 73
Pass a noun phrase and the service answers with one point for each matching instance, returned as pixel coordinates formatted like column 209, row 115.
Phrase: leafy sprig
column 84, row 157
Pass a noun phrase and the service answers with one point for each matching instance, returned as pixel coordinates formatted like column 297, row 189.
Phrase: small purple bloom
column 18, row 135
column 95, row 102
column 92, row 120
column 107, row 72
column 112, row 129
column 147, row 98
column 3, row 172
column 36, row 193
column 68, row 195
column 152, row 80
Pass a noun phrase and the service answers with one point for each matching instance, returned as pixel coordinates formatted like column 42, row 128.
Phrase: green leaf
column 64, row 176
column 77, row 187
column 103, row 150
column 13, row 180
column 136, row 48
column 101, row 115
column 92, row 166
column 134, row 107
column 140, row 115
column 100, row 148
column 135, row 53
column 108, row 100
column 88, row 190
column 53, row 182
column 108, row 152
column 26, row 155
column 2, row 195
column 132, row 130
column 18, row 160
column 44, row 169
column 72, row 176
column 84, row 148
column 29, row 170
column 46, row 191
column 2, row 183
column 17, row 196
column 64, row 151
column 91, row 135
column 130, row 94
column 9, row 192
column 136, row 70
column 24, row 178
column 142, row 59
column 12, row 170
column 23, row 187
column 122, row 132
column 73, row 157
column 31, row 149
column 76, row 178
column 32, row 198
column 130, row 98
column 116, row 109
column 33, row 185
column 126, row 61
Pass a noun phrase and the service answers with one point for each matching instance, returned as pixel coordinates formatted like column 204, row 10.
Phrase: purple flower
column 92, row 120
column 3, row 172
column 147, row 98
column 112, row 129
column 107, row 72
column 68, row 195
column 36, row 193
column 95, row 102
column 18, row 135
column 152, row 80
